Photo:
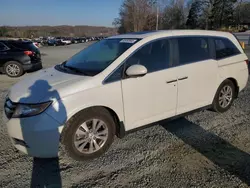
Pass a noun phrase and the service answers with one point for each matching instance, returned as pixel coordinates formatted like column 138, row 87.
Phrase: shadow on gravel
column 46, row 173
column 217, row 150
column 42, row 140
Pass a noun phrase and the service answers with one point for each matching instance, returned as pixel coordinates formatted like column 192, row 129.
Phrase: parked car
column 83, row 39
column 100, row 38
column 18, row 57
column 74, row 40
column 120, row 84
column 55, row 42
column 44, row 40
column 78, row 40
column 66, row 41
column 36, row 44
column 89, row 38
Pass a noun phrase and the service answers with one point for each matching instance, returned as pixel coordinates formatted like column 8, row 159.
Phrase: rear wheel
column 13, row 69
column 89, row 134
column 224, row 97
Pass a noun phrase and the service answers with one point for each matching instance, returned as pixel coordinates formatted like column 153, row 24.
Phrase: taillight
column 28, row 53
column 247, row 61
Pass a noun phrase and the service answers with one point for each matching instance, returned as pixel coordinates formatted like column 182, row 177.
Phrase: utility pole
column 239, row 12
column 157, row 17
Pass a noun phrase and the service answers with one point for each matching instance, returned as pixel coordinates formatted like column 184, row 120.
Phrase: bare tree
column 136, row 15
column 139, row 15
column 174, row 15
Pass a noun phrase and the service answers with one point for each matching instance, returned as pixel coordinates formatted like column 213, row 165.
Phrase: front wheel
column 88, row 134
column 224, row 97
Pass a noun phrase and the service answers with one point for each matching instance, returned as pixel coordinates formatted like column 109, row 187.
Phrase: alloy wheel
column 226, row 96
column 12, row 70
column 91, row 136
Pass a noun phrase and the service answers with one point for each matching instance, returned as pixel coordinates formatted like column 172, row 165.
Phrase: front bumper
column 37, row 136
column 33, row 66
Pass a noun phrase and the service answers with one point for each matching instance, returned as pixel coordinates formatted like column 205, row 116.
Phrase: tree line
column 63, row 30
column 141, row 15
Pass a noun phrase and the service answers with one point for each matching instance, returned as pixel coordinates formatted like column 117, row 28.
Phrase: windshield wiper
column 77, row 70
column 73, row 69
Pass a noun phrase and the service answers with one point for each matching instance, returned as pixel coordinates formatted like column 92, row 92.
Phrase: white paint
column 136, row 70
column 136, row 101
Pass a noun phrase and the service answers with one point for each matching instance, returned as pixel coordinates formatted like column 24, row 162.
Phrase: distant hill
column 62, row 30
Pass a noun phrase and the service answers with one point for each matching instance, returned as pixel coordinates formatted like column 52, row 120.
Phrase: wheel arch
column 215, row 107
column 120, row 129
column 234, row 81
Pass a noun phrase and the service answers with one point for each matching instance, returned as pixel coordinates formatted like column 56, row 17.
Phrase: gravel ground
column 205, row 149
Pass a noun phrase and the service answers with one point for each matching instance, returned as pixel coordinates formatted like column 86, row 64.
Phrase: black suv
column 17, row 57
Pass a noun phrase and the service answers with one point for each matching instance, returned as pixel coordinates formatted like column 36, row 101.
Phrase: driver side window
column 154, row 56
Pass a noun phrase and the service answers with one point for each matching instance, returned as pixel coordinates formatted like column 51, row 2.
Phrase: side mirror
column 136, row 71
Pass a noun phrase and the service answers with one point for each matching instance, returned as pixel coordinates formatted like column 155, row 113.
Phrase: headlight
column 27, row 110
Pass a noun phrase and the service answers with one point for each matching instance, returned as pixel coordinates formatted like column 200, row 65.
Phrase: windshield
column 97, row 57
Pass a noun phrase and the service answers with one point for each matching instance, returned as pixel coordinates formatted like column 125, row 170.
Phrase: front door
column 151, row 97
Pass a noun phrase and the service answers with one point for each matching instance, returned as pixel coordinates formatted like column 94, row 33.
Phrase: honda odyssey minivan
column 122, row 83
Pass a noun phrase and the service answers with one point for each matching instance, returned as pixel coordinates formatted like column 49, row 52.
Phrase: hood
column 43, row 85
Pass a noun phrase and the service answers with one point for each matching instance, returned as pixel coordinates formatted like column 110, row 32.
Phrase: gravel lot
column 205, row 149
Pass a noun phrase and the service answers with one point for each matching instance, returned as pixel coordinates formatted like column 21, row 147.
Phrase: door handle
column 171, row 81
column 183, row 78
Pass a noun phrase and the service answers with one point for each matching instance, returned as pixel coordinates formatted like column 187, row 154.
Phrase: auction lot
column 205, row 149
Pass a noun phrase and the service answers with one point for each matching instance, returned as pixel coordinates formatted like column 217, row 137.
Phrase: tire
column 217, row 103
column 81, row 119
column 14, row 65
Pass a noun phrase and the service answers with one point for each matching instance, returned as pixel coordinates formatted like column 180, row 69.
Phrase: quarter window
column 154, row 56
column 116, row 76
column 225, row 48
column 3, row 47
column 193, row 49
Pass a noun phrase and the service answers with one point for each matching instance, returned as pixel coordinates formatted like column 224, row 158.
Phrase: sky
column 58, row 12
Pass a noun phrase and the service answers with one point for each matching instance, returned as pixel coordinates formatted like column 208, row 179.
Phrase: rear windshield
column 24, row 46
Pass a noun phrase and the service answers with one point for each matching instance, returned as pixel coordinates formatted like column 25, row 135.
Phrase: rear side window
column 3, row 47
column 154, row 56
column 225, row 48
column 193, row 49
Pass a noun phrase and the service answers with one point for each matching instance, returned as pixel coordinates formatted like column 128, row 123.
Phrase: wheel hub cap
column 226, row 96
column 91, row 136
column 12, row 69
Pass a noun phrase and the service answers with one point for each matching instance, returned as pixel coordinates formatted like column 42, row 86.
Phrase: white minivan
column 122, row 83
